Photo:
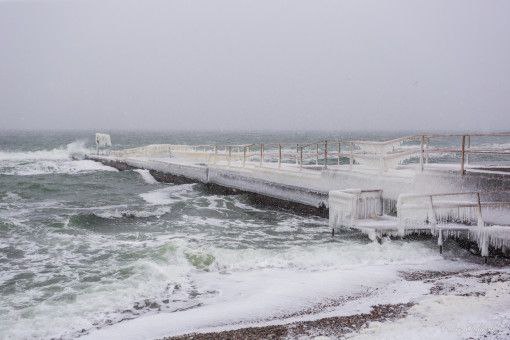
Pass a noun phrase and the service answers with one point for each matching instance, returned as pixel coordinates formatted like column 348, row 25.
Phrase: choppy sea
column 85, row 247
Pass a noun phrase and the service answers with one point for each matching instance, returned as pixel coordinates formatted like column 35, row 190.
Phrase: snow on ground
column 458, row 301
column 469, row 306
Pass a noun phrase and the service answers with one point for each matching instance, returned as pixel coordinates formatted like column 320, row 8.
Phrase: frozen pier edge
column 444, row 185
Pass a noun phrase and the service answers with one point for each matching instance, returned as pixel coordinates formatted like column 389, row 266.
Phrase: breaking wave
column 108, row 217
column 167, row 195
column 62, row 153
column 63, row 160
column 146, row 176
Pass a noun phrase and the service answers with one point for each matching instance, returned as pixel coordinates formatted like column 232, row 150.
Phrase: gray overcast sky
column 261, row 64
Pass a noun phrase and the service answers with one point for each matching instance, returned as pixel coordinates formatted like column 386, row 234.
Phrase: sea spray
column 146, row 176
column 62, row 160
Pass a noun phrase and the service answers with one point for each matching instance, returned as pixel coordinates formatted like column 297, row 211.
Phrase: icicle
column 348, row 206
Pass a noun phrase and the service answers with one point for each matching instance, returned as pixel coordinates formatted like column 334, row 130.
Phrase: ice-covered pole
column 325, row 154
column 463, row 153
column 279, row 155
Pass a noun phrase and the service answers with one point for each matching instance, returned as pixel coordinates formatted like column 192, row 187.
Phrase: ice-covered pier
column 444, row 185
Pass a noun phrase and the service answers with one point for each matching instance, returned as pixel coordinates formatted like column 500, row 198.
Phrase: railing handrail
column 343, row 141
column 460, row 193
column 372, row 153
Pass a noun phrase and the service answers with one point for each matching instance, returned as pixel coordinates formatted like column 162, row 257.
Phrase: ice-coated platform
column 373, row 186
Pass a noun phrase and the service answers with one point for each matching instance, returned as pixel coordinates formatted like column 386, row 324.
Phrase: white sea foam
column 42, row 167
column 54, row 154
column 168, row 195
column 208, row 286
column 57, row 161
column 76, row 147
column 133, row 213
column 112, row 295
column 146, row 176
column 11, row 197
column 258, row 286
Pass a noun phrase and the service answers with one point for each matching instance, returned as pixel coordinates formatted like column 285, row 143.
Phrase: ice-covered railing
column 474, row 152
column 383, row 155
column 445, row 214
column 144, row 151
column 471, row 151
column 346, row 207
column 419, row 210
column 166, row 150
column 482, row 151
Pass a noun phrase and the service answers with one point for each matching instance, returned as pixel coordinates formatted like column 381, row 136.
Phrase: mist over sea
column 84, row 246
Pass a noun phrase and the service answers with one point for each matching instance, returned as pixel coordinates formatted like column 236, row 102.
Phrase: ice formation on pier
column 348, row 206
column 384, row 155
column 252, row 168
column 440, row 208
column 103, row 140
column 152, row 150
column 447, row 217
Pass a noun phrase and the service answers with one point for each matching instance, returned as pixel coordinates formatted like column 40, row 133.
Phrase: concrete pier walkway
column 381, row 188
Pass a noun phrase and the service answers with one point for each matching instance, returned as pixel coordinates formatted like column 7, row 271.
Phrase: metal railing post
column 463, row 154
column 422, row 151
column 261, row 154
column 317, row 155
column 468, row 147
column 229, row 154
column 244, row 156
column 215, row 154
column 338, row 158
column 325, row 154
column 381, row 162
column 301, row 157
column 279, row 155
column 351, row 160
column 297, row 154
column 433, row 218
column 427, row 150
column 479, row 211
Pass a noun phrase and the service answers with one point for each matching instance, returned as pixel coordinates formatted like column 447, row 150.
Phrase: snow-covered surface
column 262, row 297
column 459, row 315
column 468, row 305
